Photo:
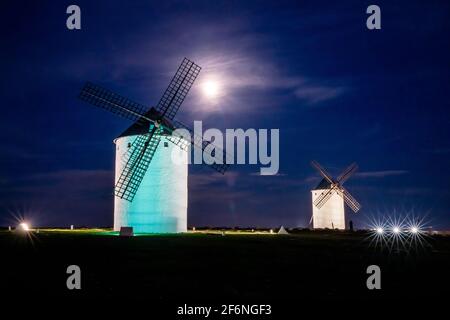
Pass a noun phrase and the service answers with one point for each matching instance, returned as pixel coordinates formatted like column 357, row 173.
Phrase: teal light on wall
column 160, row 204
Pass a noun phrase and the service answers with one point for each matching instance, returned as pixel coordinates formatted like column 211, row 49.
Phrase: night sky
column 338, row 92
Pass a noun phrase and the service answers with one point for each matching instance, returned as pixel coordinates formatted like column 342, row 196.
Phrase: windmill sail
column 332, row 185
column 112, row 102
column 178, row 89
column 350, row 201
column 322, row 171
column 347, row 173
column 137, row 164
column 156, row 120
column 138, row 159
column 207, row 146
column 323, row 198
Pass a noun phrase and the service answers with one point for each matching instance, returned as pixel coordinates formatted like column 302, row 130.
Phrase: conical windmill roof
column 324, row 184
column 143, row 127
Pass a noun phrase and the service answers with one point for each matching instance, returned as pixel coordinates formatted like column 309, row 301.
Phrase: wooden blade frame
column 139, row 160
column 347, row 173
column 322, row 172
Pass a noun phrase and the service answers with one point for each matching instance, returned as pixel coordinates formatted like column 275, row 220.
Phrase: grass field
column 207, row 266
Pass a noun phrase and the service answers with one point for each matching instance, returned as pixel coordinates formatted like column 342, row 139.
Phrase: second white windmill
column 328, row 199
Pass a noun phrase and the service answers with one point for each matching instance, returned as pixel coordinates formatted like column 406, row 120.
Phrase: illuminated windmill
column 150, row 188
column 328, row 199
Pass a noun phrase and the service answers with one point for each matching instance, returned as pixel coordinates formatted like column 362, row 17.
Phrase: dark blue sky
column 338, row 92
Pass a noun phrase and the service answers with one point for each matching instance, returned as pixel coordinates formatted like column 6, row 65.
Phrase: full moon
column 210, row 89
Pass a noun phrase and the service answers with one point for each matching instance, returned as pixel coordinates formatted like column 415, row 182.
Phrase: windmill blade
column 219, row 167
column 137, row 143
column 108, row 100
column 178, row 89
column 136, row 167
column 350, row 201
column 323, row 198
column 180, row 141
column 197, row 141
column 137, row 164
column 347, row 173
column 322, row 171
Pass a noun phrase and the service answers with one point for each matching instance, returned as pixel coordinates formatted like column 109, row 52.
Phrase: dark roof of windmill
column 142, row 126
column 324, row 184
column 136, row 129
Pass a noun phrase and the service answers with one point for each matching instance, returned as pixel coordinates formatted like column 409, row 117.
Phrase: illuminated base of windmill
column 331, row 215
column 160, row 203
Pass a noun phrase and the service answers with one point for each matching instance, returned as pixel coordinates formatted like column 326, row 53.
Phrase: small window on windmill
column 166, row 144
column 129, row 145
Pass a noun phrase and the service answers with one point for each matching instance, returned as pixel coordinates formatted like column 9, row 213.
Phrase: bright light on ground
column 24, row 226
column 210, row 88
column 398, row 232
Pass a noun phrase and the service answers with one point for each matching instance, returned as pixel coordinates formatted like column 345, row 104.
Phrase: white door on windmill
column 328, row 199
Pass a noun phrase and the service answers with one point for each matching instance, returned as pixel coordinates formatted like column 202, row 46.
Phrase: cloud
column 240, row 60
column 245, row 76
column 86, row 180
column 235, row 199
column 233, row 180
column 83, row 197
column 275, row 175
column 380, row 174
column 315, row 94
column 206, row 180
column 411, row 191
column 213, row 191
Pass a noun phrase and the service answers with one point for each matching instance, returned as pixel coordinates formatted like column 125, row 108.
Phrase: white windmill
column 150, row 188
column 328, row 199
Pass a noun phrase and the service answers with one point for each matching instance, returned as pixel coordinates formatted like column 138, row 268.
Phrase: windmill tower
column 150, row 188
column 328, row 199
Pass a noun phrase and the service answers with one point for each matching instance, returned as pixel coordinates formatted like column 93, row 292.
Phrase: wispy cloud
column 265, row 176
column 419, row 191
column 239, row 60
column 380, row 174
column 315, row 94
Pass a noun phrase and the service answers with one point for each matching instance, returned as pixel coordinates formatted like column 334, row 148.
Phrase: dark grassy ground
column 219, row 269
